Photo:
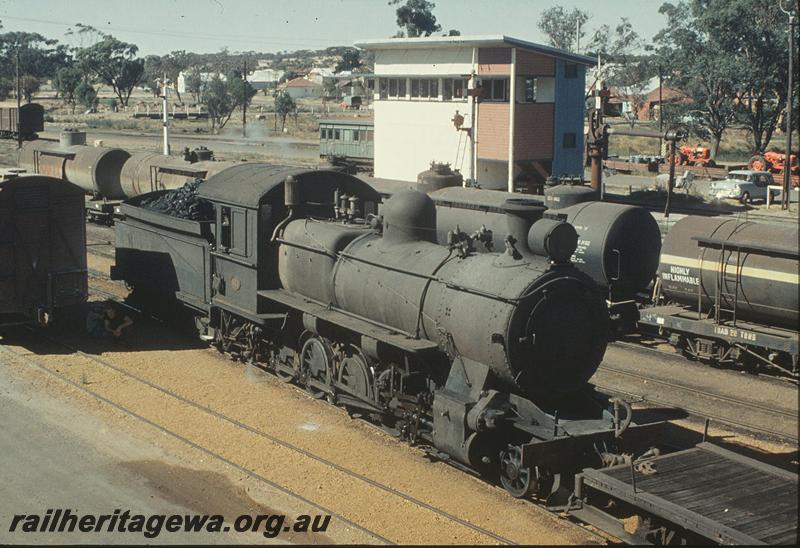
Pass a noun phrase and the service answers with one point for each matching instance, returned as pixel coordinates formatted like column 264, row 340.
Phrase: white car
column 743, row 185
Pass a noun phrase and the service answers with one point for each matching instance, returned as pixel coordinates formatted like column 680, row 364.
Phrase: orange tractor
column 774, row 162
column 693, row 156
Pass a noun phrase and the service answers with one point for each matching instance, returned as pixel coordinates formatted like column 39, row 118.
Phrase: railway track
column 352, row 474
column 129, row 412
column 760, row 406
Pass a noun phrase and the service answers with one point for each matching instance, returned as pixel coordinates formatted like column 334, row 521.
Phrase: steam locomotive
column 295, row 271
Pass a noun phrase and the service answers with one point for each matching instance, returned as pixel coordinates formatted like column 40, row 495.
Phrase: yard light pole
column 164, row 83
column 19, row 104
column 244, row 101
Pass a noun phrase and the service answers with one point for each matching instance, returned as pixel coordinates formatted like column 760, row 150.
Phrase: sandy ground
column 282, row 427
column 59, row 452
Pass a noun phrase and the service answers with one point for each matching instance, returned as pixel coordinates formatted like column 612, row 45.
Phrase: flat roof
column 487, row 41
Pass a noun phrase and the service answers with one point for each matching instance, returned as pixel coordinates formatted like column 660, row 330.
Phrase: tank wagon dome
column 561, row 196
column 438, row 176
column 408, row 216
column 249, row 184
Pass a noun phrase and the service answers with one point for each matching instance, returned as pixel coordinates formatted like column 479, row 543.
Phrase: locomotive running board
column 337, row 318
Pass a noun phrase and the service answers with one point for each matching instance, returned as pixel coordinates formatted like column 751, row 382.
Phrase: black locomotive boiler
column 482, row 358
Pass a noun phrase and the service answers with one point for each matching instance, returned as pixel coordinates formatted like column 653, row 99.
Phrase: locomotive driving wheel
column 316, row 358
column 517, row 479
column 354, row 373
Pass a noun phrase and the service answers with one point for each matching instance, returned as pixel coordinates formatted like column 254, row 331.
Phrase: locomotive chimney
column 291, row 192
column 521, row 213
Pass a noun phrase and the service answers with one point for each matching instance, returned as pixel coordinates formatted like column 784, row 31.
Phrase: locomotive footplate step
column 712, row 492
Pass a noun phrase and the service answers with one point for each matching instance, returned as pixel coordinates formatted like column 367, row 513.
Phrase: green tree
column 29, row 85
column 115, row 64
column 222, row 97
column 39, row 57
column 761, row 52
column 416, row 18
column 625, row 69
column 284, row 105
column 193, row 81
column 86, row 95
column 172, row 64
column 702, row 68
column 66, row 82
column 330, row 89
column 561, row 26
column 351, row 60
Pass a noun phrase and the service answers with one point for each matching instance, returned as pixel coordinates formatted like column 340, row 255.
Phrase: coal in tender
column 182, row 202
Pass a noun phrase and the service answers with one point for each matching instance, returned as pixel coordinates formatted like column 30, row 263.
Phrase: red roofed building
column 302, row 87
column 651, row 108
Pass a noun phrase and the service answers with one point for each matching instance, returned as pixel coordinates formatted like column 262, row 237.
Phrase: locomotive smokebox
column 409, row 216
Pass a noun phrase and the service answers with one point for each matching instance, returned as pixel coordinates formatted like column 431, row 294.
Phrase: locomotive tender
column 482, row 358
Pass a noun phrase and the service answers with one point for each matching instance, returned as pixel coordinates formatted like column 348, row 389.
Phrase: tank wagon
column 732, row 296
column 42, row 249
column 295, row 271
column 110, row 175
column 618, row 245
column 25, row 121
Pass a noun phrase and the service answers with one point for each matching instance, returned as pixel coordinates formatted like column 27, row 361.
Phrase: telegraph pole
column 660, row 108
column 787, row 178
column 244, row 100
column 19, row 104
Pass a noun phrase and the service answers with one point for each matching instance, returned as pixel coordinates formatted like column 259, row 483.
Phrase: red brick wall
column 494, row 61
column 533, row 131
column 535, row 64
column 493, row 131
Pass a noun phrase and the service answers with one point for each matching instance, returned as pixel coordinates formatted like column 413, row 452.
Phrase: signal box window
column 570, row 140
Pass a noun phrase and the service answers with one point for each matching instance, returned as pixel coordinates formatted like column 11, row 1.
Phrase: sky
column 204, row 26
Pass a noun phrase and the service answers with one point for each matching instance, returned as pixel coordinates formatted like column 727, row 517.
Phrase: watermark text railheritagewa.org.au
column 64, row 520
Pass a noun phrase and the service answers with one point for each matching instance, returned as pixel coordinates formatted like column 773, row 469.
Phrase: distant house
column 319, row 75
column 303, row 87
column 204, row 77
column 264, row 78
column 652, row 106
